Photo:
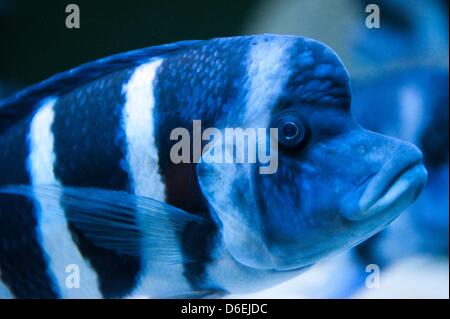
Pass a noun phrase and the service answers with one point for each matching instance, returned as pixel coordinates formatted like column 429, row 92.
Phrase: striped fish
column 92, row 206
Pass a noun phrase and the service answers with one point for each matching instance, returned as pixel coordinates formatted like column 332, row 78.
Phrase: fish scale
column 96, row 162
column 28, row 276
column 143, row 225
column 181, row 81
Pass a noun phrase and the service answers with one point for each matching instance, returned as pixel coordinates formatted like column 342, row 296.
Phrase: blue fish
column 93, row 206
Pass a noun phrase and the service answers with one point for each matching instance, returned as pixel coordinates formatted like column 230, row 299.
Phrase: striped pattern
column 89, row 146
column 205, row 82
column 23, row 264
column 268, row 73
column 112, row 133
column 53, row 231
column 143, row 169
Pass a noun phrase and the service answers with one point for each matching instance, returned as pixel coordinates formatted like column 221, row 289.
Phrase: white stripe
column 142, row 161
column 54, row 233
column 268, row 72
column 142, row 154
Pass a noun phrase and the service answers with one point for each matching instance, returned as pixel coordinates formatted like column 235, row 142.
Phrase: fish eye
column 291, row 129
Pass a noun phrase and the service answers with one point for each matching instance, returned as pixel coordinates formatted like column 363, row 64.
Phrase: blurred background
column 400, row 84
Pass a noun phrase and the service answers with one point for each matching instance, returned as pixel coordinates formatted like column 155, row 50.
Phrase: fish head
column 336, row 188
column 336, row 184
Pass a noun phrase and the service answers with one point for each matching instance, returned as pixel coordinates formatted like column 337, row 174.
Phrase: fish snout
column 395, row 186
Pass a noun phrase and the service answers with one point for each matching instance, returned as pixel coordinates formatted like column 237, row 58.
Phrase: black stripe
column 89, row 147
column 23, row 265
column 307, row 85
column 202, row 83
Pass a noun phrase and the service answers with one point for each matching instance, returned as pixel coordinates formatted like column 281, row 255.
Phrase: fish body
column 93, row 205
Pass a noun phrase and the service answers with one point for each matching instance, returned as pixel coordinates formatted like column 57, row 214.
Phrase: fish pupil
column 289, row 130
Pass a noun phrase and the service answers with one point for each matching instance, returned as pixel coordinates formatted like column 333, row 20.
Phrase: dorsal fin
column 24, row 102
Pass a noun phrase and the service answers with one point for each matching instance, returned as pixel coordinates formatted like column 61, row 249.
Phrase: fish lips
column 393, row 188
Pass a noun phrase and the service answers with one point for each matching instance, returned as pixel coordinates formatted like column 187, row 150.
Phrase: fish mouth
column 406, row 188
column 397, row 184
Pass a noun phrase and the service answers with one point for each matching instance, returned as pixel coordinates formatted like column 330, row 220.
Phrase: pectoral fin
column 118, row 221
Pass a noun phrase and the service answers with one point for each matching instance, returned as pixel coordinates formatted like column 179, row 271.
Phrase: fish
column 93, row 206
